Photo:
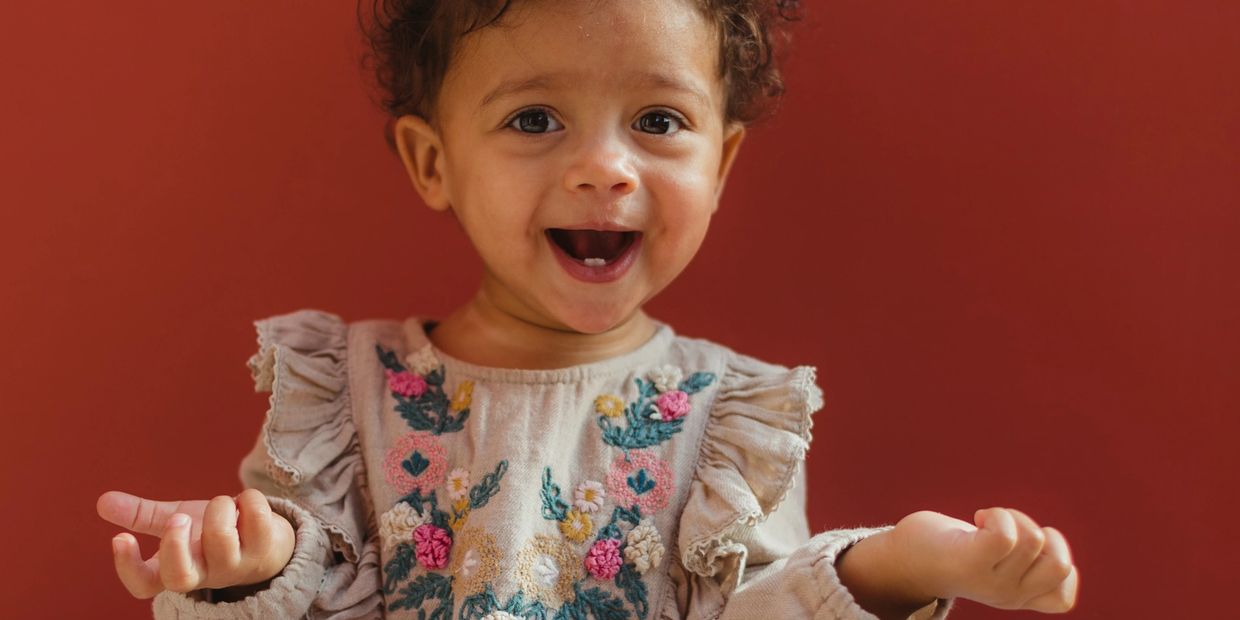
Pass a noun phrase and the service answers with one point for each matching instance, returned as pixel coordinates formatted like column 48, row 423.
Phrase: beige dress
column 663, row 483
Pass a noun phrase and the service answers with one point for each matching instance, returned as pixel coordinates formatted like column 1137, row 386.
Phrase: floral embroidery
column 672, row 405
column 603, row 560
column 576, row 526
column 547, row 568
column 460, row 512
column 458, row 483
column 464, row 396
column 610, row 406
column 431, row 544
column 641, row 479
column 500, row 615
column 643, row 548
column 417, row 461
column 422, row 361
column 589, row 496
column 665, row 378
column 397, row 525
column 405, row 383
column 476, row 561
column 428, row 409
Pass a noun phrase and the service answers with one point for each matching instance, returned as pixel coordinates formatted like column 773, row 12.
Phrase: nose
column 601, row 164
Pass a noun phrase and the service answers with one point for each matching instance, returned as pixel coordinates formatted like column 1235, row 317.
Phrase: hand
column 203, row 544
column 1007, row 561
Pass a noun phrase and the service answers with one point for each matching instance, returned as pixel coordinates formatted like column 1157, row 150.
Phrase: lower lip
column 603, row 273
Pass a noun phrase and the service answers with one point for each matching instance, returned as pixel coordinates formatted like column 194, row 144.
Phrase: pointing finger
column 139, row 514
column 140, row 578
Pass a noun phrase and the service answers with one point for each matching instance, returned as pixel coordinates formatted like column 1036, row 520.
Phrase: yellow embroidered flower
column 475, row 560
column 464, row 396
column 547, row 568
column 610, row 406
column 577, row 527
column 460, row 512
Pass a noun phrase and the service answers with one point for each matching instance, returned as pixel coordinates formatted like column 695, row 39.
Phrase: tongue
column 583, row 244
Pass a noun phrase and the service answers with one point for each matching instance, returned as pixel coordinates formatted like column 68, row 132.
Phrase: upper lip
column 599, row 225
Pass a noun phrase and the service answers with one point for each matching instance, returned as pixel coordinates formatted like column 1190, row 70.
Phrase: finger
column 140, row 578
column 996, row 534
column 1029, row 541
column 253, row 522
column 221, row 547
column 176, row 563
column 1059, row 600
column 139, row 514
column 1049, row 575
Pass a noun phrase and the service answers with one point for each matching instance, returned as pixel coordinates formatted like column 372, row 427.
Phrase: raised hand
column 1007, row 561
column 203, row 544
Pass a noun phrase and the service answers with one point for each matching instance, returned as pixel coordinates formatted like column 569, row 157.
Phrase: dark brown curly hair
column 411, row 43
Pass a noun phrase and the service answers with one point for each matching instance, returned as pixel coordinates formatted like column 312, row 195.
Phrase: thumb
column 141, row 515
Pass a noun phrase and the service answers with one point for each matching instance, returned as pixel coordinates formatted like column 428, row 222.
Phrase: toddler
column 549, row 450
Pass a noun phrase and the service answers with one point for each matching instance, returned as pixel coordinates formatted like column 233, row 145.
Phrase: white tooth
column 595, row 262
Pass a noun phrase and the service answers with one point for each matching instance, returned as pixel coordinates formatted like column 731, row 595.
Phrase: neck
column 482, row 333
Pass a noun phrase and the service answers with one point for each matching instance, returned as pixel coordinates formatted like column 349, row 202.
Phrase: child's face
column 567, row 116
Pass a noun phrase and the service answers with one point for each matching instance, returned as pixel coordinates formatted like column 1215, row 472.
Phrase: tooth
column 595, row 262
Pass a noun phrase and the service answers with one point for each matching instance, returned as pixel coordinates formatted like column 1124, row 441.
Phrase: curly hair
column 411, row 44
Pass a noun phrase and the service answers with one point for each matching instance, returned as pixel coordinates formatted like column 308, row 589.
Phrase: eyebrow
column 546, row 82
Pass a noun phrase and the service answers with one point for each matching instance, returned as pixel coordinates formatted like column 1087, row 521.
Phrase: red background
column 1005, row 232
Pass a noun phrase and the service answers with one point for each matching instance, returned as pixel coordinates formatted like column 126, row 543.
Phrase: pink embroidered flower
column 405, row 383
column 673, row 405
column 417, row 461
column 603, row 561
column 642, row 479
column 431, row 545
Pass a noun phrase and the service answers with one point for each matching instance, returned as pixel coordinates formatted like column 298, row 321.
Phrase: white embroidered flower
column 422, row 361
column 469, row 563
column 546, row 571
column 500, row 615
column 458, row 483
column 643, row 547
column 665, row 378
column 589, row 496
column 396, row 525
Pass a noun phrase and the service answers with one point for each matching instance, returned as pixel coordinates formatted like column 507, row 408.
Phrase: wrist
column 881, row 578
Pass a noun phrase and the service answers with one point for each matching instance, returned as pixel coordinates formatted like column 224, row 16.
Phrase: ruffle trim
column 309, row 435
column 753, row 444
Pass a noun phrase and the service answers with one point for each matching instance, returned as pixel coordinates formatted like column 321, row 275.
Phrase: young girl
column 549, row 450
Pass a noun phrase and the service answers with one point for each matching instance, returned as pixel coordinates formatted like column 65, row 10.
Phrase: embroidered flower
column 458, row 483
column 464, row 396
column 643, row 548
column 396, row 525
column 577, row 526
column 405, row 383
column 417, row 461
column 431, row 545
column 422, row 361
column 476, row 561
column 610, row 406
column 546, row 568
column 460, row 512
column 642, row 479
column 672, row 405
column 603, row 560
column 665, row 378
column 589, row 496
column 500, row 615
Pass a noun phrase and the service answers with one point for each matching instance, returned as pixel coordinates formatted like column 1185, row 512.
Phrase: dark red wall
column 1005, row 232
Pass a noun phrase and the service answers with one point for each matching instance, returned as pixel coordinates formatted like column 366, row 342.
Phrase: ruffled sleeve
column 307, row 460
column 744, row 541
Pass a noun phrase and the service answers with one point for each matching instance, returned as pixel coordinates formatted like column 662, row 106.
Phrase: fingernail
column 180, row 520
column 118, row 544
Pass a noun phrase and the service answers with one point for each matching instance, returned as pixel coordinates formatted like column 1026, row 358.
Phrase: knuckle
column 178, row 581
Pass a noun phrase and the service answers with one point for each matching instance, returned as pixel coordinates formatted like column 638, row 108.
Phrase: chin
column 596, row 318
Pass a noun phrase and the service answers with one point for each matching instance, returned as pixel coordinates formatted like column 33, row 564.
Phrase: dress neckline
column 654, row 348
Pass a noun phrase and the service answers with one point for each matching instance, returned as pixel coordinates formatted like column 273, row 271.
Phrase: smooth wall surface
column 1005, row 233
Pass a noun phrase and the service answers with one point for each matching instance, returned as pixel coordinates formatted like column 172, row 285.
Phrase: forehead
column 602, row 45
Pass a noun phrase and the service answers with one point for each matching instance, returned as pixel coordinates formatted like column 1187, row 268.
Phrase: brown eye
column 658, row 123
column 534, row 120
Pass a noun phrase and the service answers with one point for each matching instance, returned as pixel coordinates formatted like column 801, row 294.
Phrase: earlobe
column 733, row 135
column 422, row 153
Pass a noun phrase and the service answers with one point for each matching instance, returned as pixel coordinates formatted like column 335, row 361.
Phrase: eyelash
column 512, row 122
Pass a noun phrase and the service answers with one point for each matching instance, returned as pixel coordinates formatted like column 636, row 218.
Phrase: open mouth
column 593, row 248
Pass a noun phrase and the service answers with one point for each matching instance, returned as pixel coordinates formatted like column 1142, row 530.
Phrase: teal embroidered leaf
column 415, row 464
column 696, row 382
column 486, row 488
column 428, row 587
column 478, row 605
column 533, row 610
column 642, row 433
column 439, row 518
column 432, row 410
column 632, row 516
column 553, row 508
column 640, row 482
column 397, row 569
column 389, row 360
column 634, row 589
column 597, row 602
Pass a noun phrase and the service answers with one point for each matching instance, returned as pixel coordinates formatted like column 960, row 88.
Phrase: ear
column 733, row 135
column 421, row 150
